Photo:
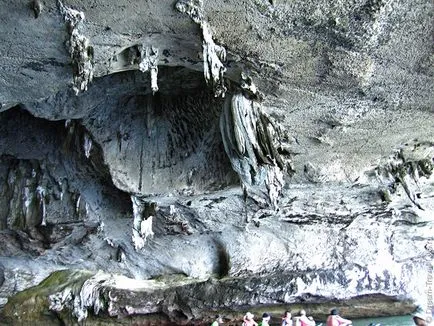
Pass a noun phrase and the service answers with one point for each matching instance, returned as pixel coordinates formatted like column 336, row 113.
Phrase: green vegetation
column 32, row 304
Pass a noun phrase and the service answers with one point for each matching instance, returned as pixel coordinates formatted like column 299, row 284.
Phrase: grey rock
column 2, row 275
column 333, row 149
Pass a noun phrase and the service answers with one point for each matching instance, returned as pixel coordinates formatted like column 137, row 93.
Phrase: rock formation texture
column 173, row 159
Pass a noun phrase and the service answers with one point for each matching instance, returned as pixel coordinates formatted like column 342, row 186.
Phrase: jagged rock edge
column 80, row 50
column 213, row 54
column 251, row 142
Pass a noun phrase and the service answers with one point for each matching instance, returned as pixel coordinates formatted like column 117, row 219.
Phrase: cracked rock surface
column 161, row 161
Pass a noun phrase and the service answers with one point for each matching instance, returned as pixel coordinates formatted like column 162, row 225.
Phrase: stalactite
column 41, row 196
column 80, row 50
column 146, row 227
column 214, row 55
column 27, row 199
column 149, row 62
column 77, row 205
column 251, row 142
column 406, row 171
column 87, row 145
column 143, row 214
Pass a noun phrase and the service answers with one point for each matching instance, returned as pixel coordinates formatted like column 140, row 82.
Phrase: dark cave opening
column 47, row 181
column 68, row 155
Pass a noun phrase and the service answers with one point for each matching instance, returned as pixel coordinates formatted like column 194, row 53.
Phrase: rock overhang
column 348, row 84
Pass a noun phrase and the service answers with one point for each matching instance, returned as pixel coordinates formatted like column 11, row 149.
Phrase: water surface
column 385, row 321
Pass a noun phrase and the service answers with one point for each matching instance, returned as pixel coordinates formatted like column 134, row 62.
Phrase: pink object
column 304, row 321
column 336, row 320
column 248, row 320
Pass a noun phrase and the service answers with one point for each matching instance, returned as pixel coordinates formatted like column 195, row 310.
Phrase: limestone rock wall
column 285, row 147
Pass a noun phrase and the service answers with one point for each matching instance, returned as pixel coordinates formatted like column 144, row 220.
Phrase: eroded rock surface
column 235, row 153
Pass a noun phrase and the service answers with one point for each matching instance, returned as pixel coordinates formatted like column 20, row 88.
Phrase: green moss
column 32, row 304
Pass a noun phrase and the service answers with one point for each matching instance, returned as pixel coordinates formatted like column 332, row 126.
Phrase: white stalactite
column 149, row 62
column 251, row 141
column 79, row 48
column 146, row 228
column 77, row 204
column 138, row 241
column 87, row 145
column 41, row 196
column 142, row 227
column 27, row 198
column 213, row 55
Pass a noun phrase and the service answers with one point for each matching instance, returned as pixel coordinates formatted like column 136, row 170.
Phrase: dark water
column 385, row 321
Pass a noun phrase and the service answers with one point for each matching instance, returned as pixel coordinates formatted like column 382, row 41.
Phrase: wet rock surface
column 310, row 182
